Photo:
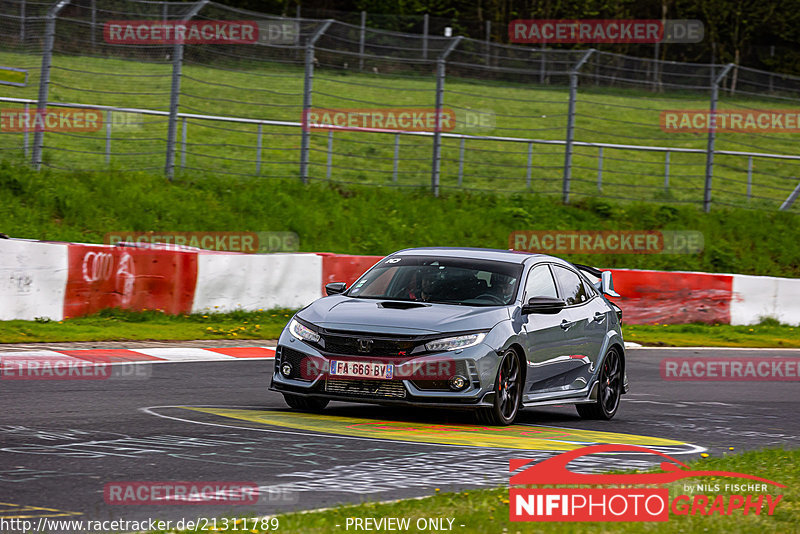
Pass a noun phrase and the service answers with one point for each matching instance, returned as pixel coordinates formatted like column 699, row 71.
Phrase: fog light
column 458, row 382
column 286, row 369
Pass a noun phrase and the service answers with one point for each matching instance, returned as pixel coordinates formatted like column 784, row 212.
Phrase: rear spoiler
column 605, row 284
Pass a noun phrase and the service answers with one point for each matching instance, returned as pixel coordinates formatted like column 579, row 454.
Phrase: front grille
column 367, row 388
column 349, row 344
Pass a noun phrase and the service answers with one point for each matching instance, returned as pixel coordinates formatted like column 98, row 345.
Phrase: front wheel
column 609, row 390
column 507, row 393
column 306, row 404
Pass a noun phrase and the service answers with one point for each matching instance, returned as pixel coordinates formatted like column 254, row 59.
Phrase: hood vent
column 394, row 305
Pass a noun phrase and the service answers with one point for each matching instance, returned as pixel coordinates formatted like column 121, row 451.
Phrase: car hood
column 339, row 312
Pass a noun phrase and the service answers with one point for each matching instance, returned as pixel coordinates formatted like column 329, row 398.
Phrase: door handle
column 599, row 317
column 566, row 325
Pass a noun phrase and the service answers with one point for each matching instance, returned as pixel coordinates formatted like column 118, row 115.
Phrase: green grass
column 83, row 207
column 119, row 325
column 487, row 511
column 270, row 90
column 767, row 334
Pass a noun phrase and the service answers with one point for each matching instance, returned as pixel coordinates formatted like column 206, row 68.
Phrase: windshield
column 441, row 280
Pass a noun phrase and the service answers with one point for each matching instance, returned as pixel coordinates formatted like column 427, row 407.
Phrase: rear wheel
column 306, row 404
column 609, row 390
column 507, row 393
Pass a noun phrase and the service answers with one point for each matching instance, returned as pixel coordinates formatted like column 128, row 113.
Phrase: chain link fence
column 322, row 100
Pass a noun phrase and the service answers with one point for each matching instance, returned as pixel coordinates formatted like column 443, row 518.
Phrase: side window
column 572, row 290
column 590, row 290
column 540, row 283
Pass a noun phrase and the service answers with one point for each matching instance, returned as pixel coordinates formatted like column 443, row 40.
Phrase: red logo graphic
column 623, row 503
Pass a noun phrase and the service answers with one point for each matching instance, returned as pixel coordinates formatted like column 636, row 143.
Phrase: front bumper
column 421, row 380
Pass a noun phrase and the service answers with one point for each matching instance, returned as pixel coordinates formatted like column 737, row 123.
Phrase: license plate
column 373, row 370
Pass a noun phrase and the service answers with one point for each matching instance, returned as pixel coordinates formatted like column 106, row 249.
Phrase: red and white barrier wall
column 227, row 282
column 33, row 279
column 59, row 280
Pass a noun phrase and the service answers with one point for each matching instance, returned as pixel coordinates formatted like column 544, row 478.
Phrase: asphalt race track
column 62, row 441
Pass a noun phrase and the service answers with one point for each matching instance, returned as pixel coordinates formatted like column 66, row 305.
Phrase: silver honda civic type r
column 491, row 331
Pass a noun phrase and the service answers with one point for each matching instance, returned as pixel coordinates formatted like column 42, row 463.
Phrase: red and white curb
column 152, row 355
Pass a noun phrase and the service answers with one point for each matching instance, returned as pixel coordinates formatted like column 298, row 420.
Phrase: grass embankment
column 118, row 325
column 769, row 333
column 82, row 207
column 487, row 511
column 264, row 90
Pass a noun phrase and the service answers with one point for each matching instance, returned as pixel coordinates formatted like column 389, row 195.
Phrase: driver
column 503, row 286
column 428, row 284
column 422, row 284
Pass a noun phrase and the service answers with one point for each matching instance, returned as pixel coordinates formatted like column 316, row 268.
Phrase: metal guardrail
column 316, row 52
column 270, row 122
column 329, row 157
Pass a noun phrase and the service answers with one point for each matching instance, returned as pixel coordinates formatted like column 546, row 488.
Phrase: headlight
column 302, row 332
column 453, row 343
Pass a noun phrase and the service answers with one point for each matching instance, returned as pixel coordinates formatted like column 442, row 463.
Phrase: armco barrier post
column 308, row 86
column 93, row 8
column 108, row 136
column 177, row 63
column 542, row 64
column 22, row 22
column 437, row 133
column 330, row 155
column 712, row 135
column 396, row 157
column 791, row 198
column 362, row 36
column 425, row 36
column 529, row 166
column 488, row 40
column 573, row 95
column 183, row 143
column 44, row 80
column 259, row 143
column 25, row 133
column 461, row 162
column 600, row 169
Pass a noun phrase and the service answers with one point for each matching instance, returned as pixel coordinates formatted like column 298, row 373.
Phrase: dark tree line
column 755, row 33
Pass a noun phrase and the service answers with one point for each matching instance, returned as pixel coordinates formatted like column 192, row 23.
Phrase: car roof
column 511, row 256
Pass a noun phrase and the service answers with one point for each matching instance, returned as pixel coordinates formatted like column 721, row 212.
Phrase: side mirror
column 334, row 288
column 607, row 284
column 543, row 305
